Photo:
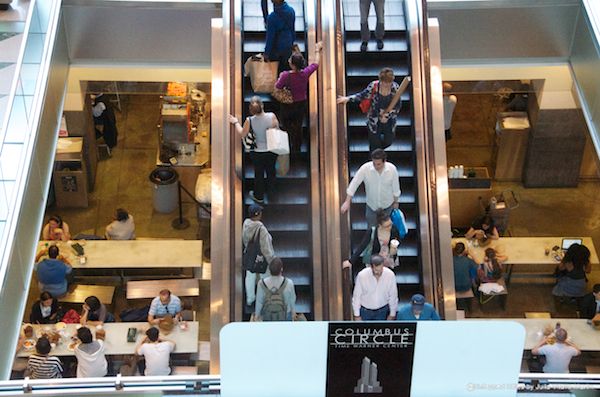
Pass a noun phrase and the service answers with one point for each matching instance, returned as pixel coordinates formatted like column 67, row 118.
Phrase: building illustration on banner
column 368, row 382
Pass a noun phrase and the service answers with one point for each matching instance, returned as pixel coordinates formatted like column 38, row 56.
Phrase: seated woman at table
column 95, row 313
column 491, row 270
column 483, row 229
column 45, row 310
column 122, row 226
column 571, row 272
column 382, row 240
column 56, row 230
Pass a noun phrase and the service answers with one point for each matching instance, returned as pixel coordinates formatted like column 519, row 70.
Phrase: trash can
column 166, row 192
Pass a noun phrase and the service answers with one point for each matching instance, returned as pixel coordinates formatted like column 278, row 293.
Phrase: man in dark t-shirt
column 465, row 268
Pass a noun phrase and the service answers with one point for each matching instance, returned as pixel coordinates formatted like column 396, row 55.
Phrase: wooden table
column 116, row 338
column 150, row 288
column 104, row 293
column 525, row 251
column 120, row 254
column 579, row 331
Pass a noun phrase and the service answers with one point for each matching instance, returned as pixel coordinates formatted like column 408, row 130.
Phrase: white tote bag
column 278, row 141
column 263, row 75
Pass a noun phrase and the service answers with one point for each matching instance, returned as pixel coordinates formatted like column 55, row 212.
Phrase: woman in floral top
column 385, row 105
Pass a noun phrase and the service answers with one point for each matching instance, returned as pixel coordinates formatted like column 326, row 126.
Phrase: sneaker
column 363, row 46
column 380, row 44
column 251, row 194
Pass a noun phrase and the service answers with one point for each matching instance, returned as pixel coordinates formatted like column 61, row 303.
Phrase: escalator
column 287, row 213
column 360, row 70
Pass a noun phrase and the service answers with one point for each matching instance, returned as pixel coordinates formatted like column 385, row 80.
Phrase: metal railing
column 25, row 160
column 211, row 385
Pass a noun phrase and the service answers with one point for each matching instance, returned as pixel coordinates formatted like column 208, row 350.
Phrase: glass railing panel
column 34, row 48
column 17, row 128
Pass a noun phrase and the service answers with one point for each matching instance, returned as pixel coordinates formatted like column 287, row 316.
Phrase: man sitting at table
column 52, row 272
column 156, row 352
column 590, row 304
column 165, row 303
column 559, row 354
column 91, row 361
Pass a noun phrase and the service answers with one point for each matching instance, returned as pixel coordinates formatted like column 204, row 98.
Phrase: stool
column 537, row 315
column 485, row 298
column 184, row 371
column 463, row 299
column 592, row 369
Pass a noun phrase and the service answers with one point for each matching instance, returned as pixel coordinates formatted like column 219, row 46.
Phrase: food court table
column 119, row 254
column 186, row 341
column 579, row 331
column 525, row 251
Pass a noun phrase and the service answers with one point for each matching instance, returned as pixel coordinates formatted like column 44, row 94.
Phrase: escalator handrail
column 343, row 158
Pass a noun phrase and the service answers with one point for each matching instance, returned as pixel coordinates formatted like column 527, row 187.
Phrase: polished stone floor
column 122, row 181
column 541, row 212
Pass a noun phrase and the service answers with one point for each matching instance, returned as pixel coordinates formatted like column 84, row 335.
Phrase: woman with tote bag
column 254, row 135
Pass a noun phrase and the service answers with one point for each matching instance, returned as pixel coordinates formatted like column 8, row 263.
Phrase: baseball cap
column 418, row 300
column 254, row 210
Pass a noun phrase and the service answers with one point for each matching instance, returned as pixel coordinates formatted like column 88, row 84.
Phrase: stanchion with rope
column 180, row 222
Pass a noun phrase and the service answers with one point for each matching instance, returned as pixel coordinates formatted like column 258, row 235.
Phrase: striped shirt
column 44, row 367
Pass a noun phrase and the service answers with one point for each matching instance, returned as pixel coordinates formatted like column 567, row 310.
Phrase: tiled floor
column 122, row 181
column 542, row 212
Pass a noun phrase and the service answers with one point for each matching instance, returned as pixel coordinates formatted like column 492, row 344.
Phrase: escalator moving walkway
column 361, row 69
column 287, row 213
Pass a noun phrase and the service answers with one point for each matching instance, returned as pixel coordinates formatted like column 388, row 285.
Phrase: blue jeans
column 371, row 215
column 375, row 315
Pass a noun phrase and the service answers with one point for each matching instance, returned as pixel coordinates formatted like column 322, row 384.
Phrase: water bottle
column 451, row 172
column 493, row 203
column 461, row 171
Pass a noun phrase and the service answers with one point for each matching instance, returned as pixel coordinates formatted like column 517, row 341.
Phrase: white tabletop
column 116, row 338
column 524, row 250
column 579, row 331
column 133, row 253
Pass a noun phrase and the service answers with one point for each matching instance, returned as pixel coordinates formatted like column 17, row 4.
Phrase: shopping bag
column 399, row 221
column 283, row 164
column 278, row 141
column 263, row 75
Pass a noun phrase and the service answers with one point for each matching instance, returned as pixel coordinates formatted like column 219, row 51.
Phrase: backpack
column 135, row 314
column 252, row 257
column 274, row 308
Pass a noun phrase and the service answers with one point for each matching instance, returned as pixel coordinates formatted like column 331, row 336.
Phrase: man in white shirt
column 375, row 296
column 382, row 186
column 449, row 101
column 156, row 353
column 559, row 354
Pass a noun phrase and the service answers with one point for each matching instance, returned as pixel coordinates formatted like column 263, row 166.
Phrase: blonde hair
column 386, row 75
column 256, row 105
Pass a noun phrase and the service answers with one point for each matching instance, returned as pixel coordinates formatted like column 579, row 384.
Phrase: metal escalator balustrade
column 28, row 137
column 361, row 69
column 287, row 212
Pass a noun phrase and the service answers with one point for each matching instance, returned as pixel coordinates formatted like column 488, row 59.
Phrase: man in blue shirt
column 165, row 303
column 417, row 309
column 280, row 34
column 465, row 269
column 52, row 272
